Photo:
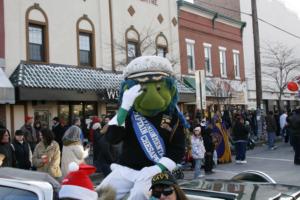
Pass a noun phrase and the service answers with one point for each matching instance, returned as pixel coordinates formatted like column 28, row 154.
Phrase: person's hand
column 129, row 96
column 45, row 159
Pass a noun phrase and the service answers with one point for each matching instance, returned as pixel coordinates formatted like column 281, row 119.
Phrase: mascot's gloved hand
column 128, row 99
column 163, row 164
column 129, row 96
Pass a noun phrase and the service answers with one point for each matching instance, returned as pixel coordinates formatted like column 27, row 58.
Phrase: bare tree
column 279, row 65
column 145, row 44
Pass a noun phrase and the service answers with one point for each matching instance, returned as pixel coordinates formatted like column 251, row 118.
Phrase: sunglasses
column 165, row 192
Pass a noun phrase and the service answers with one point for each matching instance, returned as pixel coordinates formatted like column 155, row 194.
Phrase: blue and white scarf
column 148, row 137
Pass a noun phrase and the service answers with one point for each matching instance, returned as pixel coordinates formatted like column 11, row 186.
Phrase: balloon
column 292, row 86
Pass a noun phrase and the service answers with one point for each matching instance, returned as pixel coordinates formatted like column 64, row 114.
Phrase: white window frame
column 236, row 64
column 191, row 43
column 222, row 51
column 208, row 46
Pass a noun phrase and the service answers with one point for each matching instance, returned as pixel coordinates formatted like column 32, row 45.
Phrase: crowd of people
column 208, row 142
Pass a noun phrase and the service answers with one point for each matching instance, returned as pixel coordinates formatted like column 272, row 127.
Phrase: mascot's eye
column 158, row 87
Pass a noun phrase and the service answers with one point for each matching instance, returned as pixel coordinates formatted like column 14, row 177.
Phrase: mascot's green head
column 156, row 77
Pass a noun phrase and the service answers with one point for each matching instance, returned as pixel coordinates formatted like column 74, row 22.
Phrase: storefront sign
column 153, row 2
column 112, row 94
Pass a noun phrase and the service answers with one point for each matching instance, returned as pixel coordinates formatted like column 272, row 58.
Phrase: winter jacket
column 208, row 140
column 7, row 150
column 53, row 153
column 23, row 154
column 198, row 149
column 271, row 123
column 240, row 132
column 294, row 124
column 73, row 152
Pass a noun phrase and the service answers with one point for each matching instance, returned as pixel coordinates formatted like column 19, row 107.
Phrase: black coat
column 294, row 124
column 22, row 153
column 240, row 131
column 7, row 150
column 132, row 154
column 208, row 140
column 59, row 132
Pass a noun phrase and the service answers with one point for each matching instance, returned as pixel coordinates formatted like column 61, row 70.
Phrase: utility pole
column 257, row 67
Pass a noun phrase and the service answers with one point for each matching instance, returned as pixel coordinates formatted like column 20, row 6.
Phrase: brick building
column 212, row 42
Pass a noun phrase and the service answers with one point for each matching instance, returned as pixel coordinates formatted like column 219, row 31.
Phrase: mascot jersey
column 133, row 155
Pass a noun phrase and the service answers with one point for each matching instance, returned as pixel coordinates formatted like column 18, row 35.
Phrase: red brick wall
column 200, row 30
column 2, row 38
column 233, row 6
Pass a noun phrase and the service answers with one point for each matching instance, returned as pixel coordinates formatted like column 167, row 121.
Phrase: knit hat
column 148, row 66
column 77, row 184
column 27, row 118
column 19, row 132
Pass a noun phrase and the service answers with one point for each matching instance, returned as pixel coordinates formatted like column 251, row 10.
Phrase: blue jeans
column 271, row 139
column 198, row 163
column 240, row 146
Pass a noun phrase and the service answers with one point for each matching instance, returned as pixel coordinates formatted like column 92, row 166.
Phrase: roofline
column 71, row 66
column 182, row 3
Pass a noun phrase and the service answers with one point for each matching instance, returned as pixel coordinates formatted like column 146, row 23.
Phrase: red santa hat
column 77, row 184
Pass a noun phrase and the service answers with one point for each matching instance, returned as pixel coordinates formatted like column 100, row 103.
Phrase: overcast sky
column 293, row 5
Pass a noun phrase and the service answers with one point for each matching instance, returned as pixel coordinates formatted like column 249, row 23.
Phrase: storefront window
column 63, row 113
column 77, row 110
column 90, row 110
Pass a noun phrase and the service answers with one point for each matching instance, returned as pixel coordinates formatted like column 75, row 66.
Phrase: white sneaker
column 238, row 161
column 200, row 176
column 244, row 161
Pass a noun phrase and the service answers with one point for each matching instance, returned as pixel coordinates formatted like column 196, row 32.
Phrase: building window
column 190, row 55
column 132, row 44
column 222, row 52
column 161, row 45
column 131, row 50
column 161, row 51
column 207, row 58
column 85, row 42
column 36, row 43
column 85, row 49
column 236, row 63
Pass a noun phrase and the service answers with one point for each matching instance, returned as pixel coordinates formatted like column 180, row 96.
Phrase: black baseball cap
column 163, row 178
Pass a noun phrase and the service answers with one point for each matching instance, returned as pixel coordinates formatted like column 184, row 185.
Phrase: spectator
column 198, row 151
column 7, row 156
column 22, row 150
column 240, row 135
column 77, row 123
column 294, row 128
column 164, row 186
column 29, row 132
column 282, row 122
column 58, row 129
column 209, row 149
column 277, row 116
column 271, row 130
column 103, row 150
column 72, row 149
column 37, row 125
column 46, row 155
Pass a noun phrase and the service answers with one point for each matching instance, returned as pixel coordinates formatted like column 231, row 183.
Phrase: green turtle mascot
column 150, row 126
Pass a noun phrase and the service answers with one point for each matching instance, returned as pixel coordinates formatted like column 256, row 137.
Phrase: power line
column 249, row 14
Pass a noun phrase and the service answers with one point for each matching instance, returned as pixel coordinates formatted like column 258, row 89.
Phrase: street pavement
column 278, row 164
